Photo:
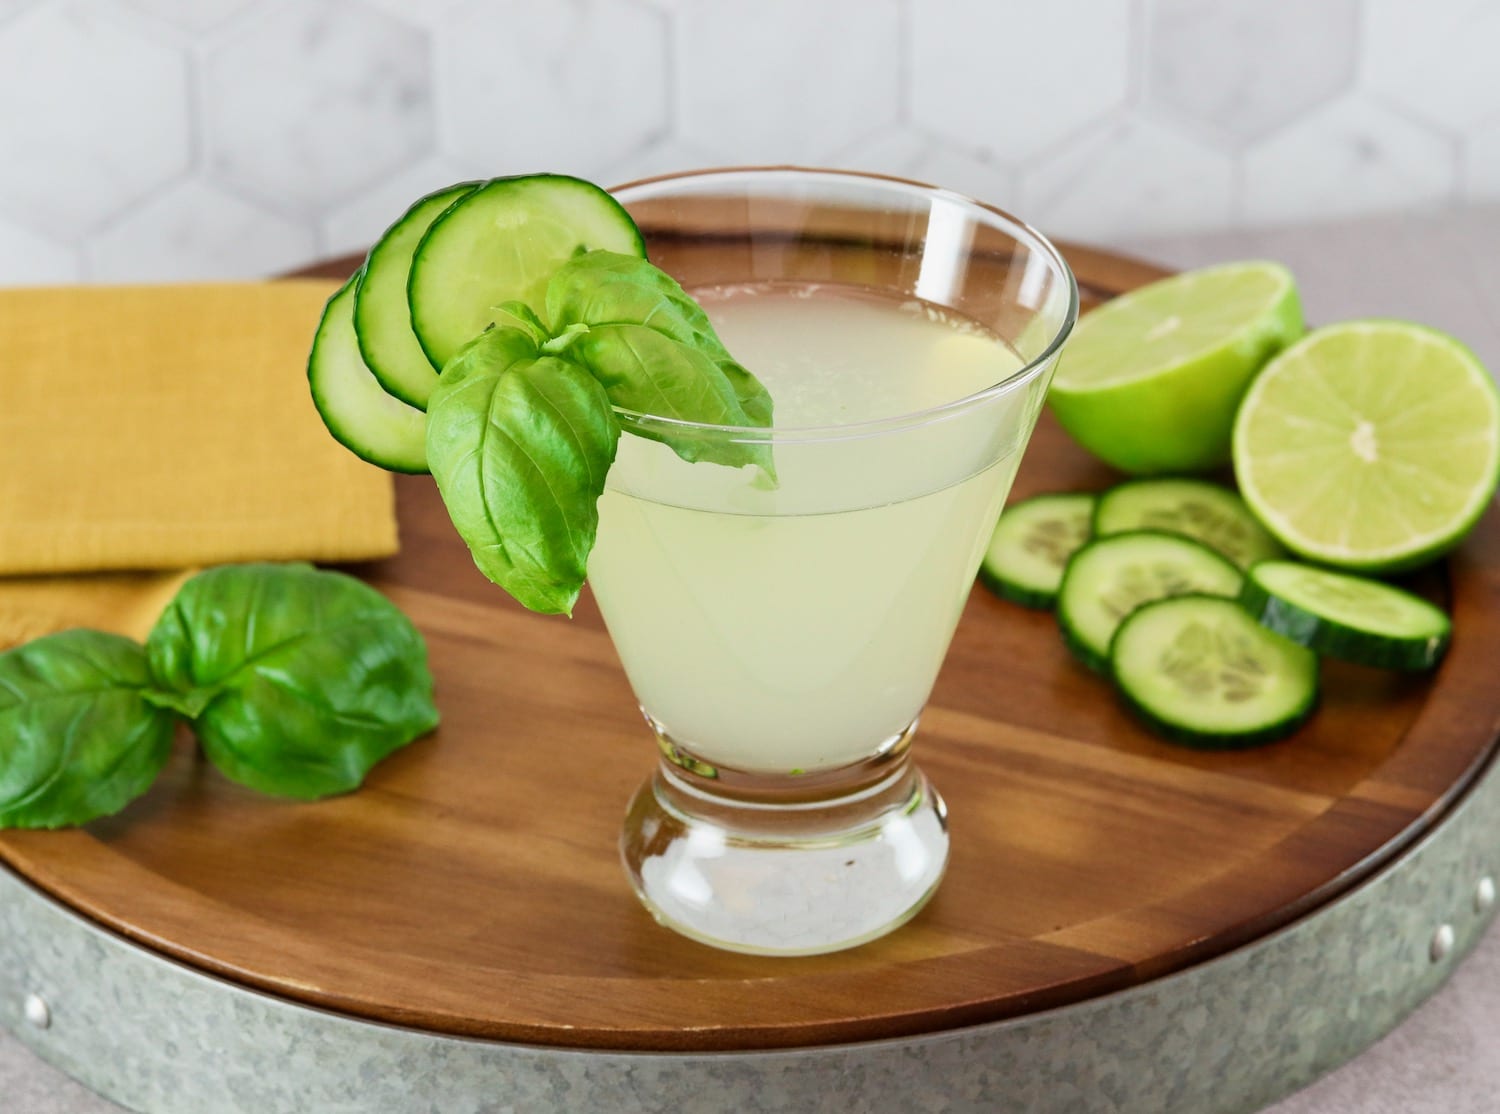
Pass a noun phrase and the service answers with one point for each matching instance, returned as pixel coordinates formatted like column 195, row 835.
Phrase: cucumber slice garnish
column 354, row 407
column 1347, row 617
column 1200, row 671
column 1110, row 577
column 1031, row 546
column 501, row 243
column 1204, row 511
column 382, row 318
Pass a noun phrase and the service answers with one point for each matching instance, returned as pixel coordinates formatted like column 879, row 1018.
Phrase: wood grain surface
column 473, row 886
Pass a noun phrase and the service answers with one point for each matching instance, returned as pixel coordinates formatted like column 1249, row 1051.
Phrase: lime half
column 1150, row 381
column 1370, row 445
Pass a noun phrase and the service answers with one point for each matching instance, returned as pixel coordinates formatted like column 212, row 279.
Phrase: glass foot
column 773, row 869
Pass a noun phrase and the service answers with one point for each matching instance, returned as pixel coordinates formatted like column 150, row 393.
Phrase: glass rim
column 1012, row 225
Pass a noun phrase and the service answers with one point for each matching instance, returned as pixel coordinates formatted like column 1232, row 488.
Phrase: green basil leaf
column 518, row 315
column 77, row 738
column 299, row 680
column 605, row 288
column 519, row 444
column 645, row 371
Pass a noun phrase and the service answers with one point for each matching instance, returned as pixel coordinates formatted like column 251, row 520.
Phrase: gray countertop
column 1444, row 271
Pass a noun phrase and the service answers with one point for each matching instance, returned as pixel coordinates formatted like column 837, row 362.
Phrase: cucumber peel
column 362, row 417
column 1351, row 618
column 1031, row 546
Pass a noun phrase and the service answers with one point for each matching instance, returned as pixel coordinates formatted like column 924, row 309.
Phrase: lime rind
column 1164, row 405
column 1324, row 405
column 1174, row 321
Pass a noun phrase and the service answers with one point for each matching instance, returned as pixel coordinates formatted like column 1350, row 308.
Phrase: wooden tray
column 473, row 887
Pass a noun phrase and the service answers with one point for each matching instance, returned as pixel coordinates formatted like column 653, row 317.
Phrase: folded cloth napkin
column 162, row 427
column 125, row 603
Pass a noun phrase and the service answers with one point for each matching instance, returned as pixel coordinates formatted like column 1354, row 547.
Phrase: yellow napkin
column 125, row 603
column 161, row 427
column 151, row 427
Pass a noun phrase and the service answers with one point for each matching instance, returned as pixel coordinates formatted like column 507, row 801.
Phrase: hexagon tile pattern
column 1013, row 77
column 315, row 101
column 905, row 153
column 96, row 117
column 1435, row 58
column 1239, row 69
column 1126, row 181
column 1351, row 158
column 192, row 15
column 26, row 258
column 194, row 231
column 770, row 81
column 567, row 85
column 248, row 135
column 357, row 223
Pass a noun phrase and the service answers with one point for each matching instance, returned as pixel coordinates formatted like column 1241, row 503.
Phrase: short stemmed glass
column 782, row 638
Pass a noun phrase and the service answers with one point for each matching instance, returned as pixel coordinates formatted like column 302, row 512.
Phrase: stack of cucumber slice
column 431, row 284
column 1173, row 588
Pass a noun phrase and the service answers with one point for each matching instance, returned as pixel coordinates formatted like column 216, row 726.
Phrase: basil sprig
column 521, row 428
column 296, row 681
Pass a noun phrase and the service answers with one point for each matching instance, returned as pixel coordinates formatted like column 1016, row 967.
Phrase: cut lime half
column 1370, row 445
column 1150, row 381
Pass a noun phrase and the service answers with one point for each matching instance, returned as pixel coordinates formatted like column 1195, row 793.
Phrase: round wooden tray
column 473, row 887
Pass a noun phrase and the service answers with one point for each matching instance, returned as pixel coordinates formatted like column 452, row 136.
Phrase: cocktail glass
column 783, row 637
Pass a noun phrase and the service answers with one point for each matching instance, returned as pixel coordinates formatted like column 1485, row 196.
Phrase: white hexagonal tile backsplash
column 95, row 118
column 195, row 231
column 1435, row 58
column 1240, row 69
column 1352, row 157
column 315, row 102
column 778, row 81
column 188, row 138
column 573, row 86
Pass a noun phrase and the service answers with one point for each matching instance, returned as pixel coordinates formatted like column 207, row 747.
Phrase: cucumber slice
column 1204, row 511
column 501, row 243
column 1200, row 671
column 1347, row 617
column 1110, row 577
column 1031, row 546
column 367, row 421
column 382, row 318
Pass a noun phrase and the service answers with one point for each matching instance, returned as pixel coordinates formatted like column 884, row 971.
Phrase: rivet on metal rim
column 1442, row 943
column 1484, row 894
column 37, row 1011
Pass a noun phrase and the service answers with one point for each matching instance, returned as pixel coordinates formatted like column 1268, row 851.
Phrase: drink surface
column 798, row 626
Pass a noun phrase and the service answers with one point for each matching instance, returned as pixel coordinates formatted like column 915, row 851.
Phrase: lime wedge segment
column 1370, row 445
column 1150, row 381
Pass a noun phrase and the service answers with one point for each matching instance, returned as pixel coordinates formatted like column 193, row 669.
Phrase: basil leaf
column 518, row 315
column 298, row 680
column 645, row 371
column 77, row 738
column 684, row 373
column 519, row 444
column 607, row 288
